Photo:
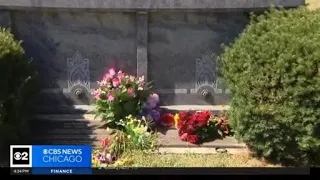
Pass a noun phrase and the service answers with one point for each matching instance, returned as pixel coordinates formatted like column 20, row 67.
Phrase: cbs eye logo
column 20, row 156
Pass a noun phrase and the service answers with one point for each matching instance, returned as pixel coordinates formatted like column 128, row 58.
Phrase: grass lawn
column 313, row 4
column 190, row 160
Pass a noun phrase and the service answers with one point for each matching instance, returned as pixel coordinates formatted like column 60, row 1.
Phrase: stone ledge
column 148, row 4
column 170, row 139
column 88, row 109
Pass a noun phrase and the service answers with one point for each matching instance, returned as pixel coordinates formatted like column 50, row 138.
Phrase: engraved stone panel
column 183, row 47
column 62, row 43
column 205, row 72
column 177, row 39
column 78, row 71
column 50, row 37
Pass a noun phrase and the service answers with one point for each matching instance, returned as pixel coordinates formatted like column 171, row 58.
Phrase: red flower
column 167, row 120
column 184, row 115
column 104, row 142
column 190, row 123
column 193, row 139
column 192, row 120
column 186, row 129
column 130, row 91
column 203, row 118
column 184, row 118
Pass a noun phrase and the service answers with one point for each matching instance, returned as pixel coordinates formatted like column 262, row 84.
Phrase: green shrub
column 272, row 70
column 17, row 85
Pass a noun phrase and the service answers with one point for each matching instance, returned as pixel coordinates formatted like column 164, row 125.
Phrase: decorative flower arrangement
column 120, row 95
column 138, row 134
column 197, row 127
column 128, row 105
column 135, row 136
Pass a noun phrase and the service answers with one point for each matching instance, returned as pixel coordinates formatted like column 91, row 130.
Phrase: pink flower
column 131, row 78
column 107, row 77
column 184, row 136
column 121, row 75
column 112, row 72
column 96, row 93
column 130, row 91
column 110, row 97
column 115, row 82
column 102, row 83
column 141, row 79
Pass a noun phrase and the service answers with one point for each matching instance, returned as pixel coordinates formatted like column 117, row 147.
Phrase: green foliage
column 272, row 70
column 16, row 89
column 138, row 135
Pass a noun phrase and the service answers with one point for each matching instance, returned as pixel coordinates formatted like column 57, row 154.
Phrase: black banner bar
column 179, row 171
column 203, row 171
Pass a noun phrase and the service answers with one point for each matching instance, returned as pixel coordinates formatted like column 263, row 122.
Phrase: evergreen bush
column 273, row 72
column 17, row 87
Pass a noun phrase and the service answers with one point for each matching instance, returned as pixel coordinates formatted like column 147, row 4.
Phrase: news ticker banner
column 50, row 159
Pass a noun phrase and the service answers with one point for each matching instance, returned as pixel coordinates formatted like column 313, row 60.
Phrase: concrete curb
column 203, row 150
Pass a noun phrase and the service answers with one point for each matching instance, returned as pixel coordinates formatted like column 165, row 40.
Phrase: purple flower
column 159, row 110
column 155, row 115
column 102, row 159
column 152, row 105
column 154, row 97
column 152, row 101
column 98, row 155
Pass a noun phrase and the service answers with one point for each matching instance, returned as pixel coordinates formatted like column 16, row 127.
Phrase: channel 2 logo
column 20, row 156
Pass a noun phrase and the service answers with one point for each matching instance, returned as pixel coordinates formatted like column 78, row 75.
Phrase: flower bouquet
column 120, row 95
column 134, row 136
column 197, row 127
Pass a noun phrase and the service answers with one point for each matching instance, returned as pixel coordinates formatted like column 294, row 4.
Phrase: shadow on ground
column 70, row 127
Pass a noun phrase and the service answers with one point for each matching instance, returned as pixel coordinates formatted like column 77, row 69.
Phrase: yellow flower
column 176, row 120
column 95, row 162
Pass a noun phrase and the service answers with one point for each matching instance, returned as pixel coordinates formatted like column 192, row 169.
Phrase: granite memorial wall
column 173, row 43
